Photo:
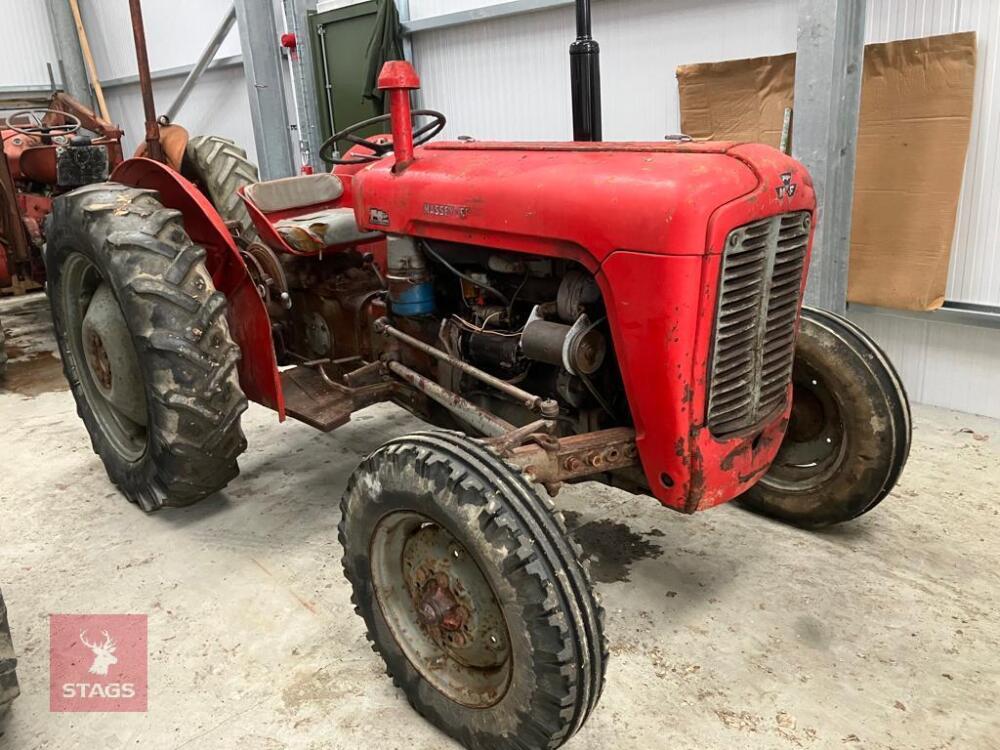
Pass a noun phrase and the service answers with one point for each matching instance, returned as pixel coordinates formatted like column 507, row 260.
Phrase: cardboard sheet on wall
column 916, row 114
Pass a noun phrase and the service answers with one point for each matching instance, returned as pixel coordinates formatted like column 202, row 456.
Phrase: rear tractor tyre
column 9, row 688
column 472, row 593
column 145, row 345
column 3, row 347
column 219, row 167
column 849, row 433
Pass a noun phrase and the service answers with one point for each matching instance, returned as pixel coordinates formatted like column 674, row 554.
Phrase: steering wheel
column 379, row 148
column 71, row 125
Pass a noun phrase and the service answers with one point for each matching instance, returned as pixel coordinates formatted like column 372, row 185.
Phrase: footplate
column 320, row 402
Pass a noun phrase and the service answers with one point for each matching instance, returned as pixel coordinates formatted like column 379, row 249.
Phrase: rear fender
column 249, row 322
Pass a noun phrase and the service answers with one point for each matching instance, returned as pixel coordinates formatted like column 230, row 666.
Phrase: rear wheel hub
column 108, row 367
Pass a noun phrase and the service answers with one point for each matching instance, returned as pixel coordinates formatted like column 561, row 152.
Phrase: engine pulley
column 579, row 348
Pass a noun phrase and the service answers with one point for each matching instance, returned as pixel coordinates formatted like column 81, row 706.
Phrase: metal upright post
column 307, row 101
column 403, row 7
column 70, row 56
column 827, row 102
column 262, row 66
column 154, row 149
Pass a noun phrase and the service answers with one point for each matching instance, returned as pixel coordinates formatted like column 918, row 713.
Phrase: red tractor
column 628, row 313
column 54, row 144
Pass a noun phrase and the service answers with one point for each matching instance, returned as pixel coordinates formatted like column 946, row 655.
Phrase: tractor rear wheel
column 3, row 346
column 145, row 345
column 9, row 688
column 472, row 593
column 849, row 433
column 220, row 168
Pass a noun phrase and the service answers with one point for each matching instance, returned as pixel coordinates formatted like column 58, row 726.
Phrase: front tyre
column 145, row 345
column 848, row 437
column 472, row 593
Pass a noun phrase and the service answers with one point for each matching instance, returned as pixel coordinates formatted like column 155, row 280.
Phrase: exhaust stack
column 585, row 78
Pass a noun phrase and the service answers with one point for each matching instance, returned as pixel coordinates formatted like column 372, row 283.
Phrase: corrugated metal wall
column 945, row 364
column 509, row 78
column 27, row 43
column 176, row 33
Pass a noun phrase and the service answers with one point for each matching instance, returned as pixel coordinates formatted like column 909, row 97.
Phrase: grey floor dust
column 727, row 630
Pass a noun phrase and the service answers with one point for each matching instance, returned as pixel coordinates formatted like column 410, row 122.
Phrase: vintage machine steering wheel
column 39, row 128
column 378, row 148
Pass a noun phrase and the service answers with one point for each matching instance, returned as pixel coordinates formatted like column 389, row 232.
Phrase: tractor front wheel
column 145, row 345
column 472, row 593
column 848, row 437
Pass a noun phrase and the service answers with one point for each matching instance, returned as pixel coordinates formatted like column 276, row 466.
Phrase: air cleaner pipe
column 482, row 420
column 585, row 78
column 154, row 149
column 545, row 406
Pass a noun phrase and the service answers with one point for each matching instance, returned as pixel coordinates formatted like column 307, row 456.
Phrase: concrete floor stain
column 610, row 547
column 32, row 373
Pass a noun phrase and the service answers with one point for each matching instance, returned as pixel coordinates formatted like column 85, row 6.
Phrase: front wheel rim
column 440, row 609
column 815, row 442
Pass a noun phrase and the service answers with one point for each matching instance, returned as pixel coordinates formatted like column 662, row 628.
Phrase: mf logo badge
column 378, row 217
column 787, row 188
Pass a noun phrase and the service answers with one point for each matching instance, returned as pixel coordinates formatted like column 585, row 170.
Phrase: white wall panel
column 324, row 5
column 975, row 264
column 431, row 8
column 943, row 364
column 218, row 106
column 176, row 33
column 509, row 77
column 26, row 43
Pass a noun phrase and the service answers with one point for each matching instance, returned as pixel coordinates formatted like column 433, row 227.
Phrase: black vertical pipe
column 585, row 78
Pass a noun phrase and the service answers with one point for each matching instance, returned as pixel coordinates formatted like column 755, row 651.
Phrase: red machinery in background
column 50, row 146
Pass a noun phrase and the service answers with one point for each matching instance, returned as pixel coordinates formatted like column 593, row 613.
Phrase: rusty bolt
column 572, row 463
column 454, row 618
column 595, row 460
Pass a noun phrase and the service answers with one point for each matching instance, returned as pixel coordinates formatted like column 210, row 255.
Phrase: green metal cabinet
column 340, row 39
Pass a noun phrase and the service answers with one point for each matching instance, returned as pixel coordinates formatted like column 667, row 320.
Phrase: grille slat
column 753, row 345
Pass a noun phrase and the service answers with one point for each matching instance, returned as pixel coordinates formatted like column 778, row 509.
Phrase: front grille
column 754, row 339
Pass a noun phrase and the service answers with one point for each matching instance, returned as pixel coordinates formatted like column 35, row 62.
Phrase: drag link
column 482, row 420
column 547, row 407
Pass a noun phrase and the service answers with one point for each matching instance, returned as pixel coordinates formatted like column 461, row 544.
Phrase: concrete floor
column 727, row 630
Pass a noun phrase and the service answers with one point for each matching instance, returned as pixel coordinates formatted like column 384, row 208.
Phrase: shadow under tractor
column 628, row 313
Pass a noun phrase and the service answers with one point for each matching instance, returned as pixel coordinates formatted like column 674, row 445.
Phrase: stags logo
column 105, row 674
column 104, row 655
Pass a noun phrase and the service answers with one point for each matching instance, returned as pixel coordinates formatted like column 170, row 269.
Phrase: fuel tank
column 657, row 224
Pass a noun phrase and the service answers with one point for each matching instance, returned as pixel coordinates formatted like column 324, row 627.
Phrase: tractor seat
column 317, row 227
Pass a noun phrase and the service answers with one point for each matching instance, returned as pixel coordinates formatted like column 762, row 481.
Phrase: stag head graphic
column 104, row 653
